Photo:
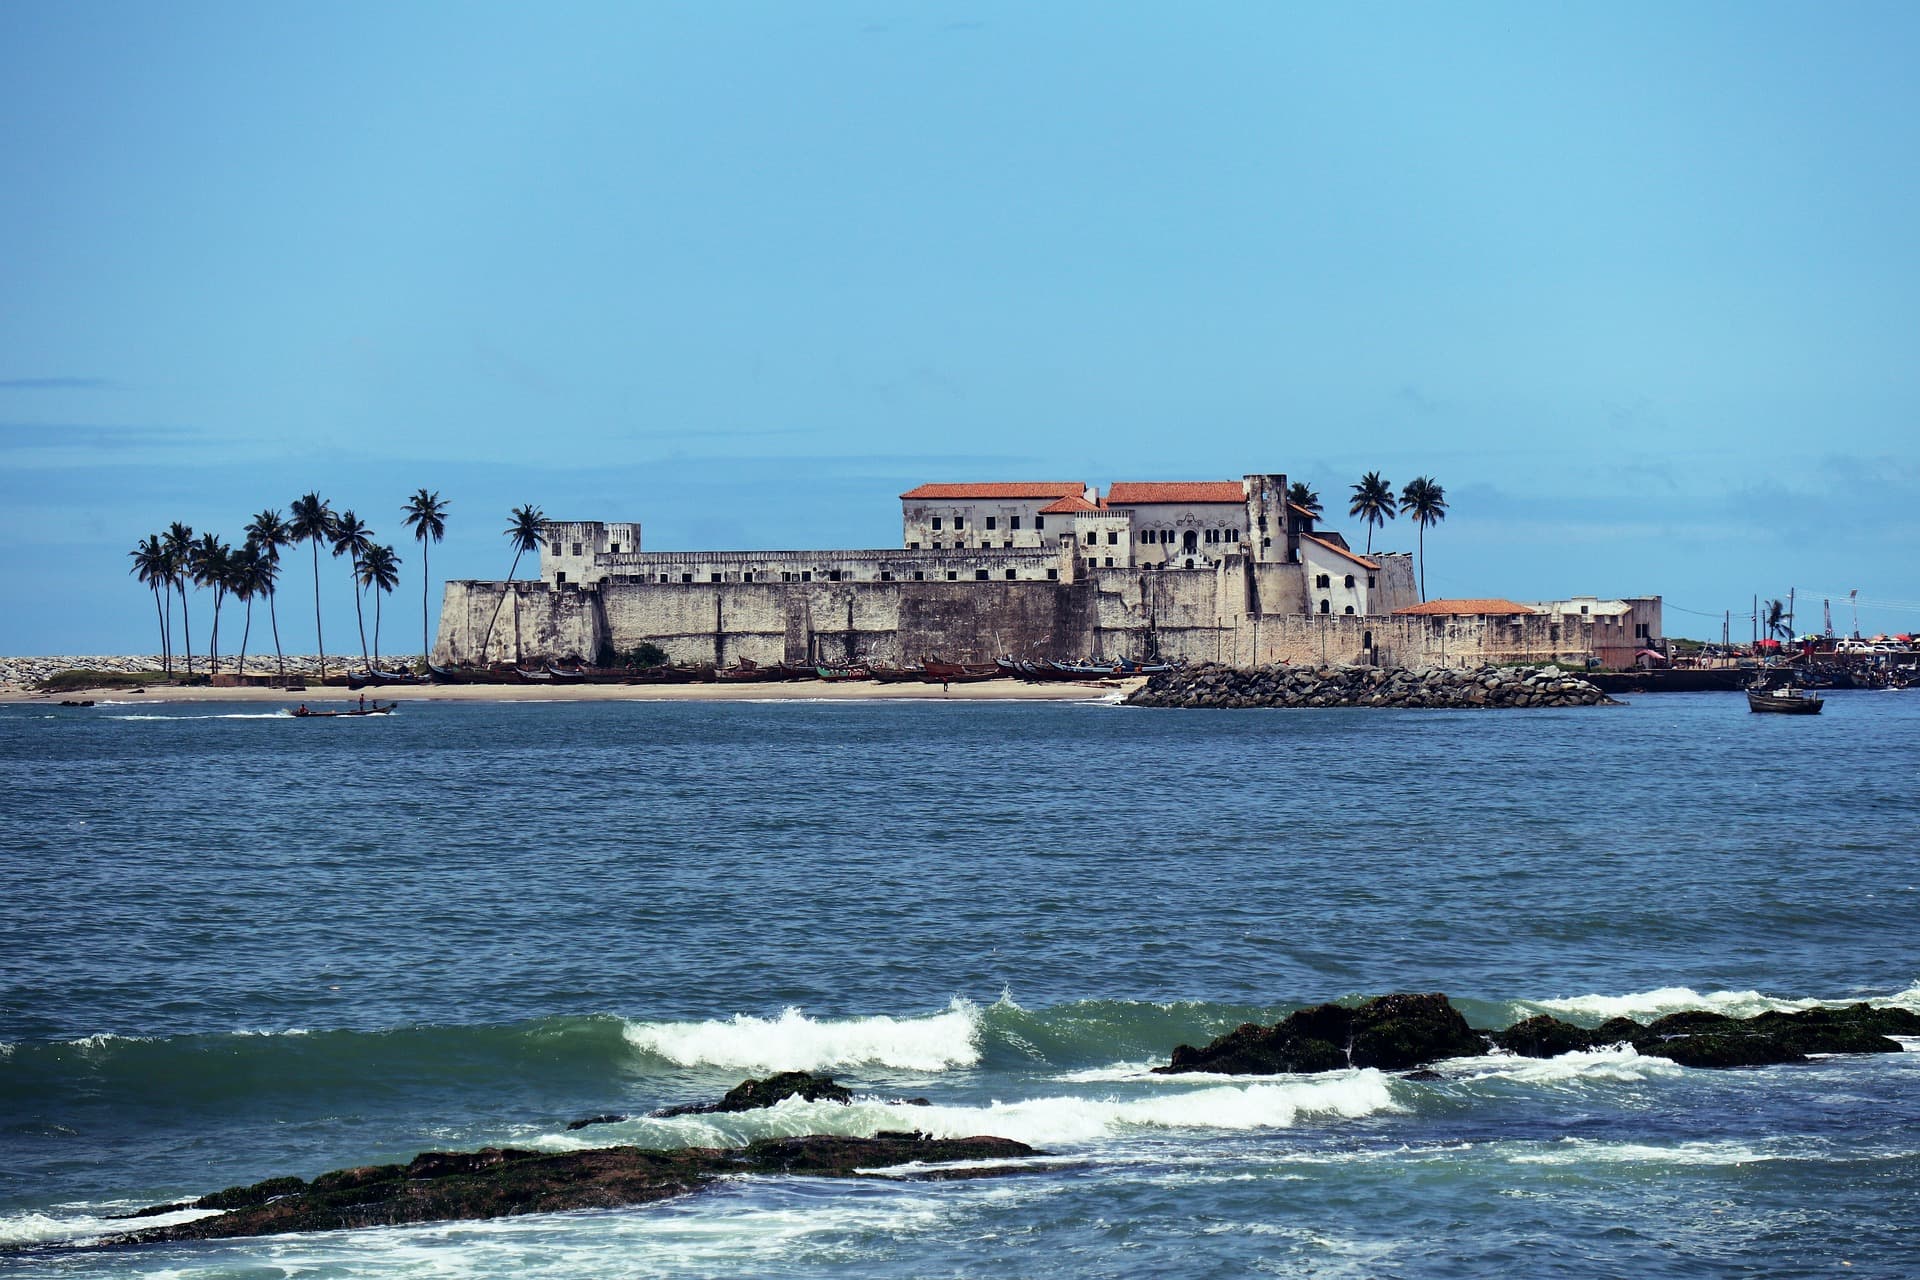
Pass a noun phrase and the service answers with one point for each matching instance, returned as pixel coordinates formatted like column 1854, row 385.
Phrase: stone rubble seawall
column 29, row 671
column 1214, row 685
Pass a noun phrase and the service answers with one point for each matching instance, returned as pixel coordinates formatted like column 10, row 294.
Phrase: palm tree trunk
column 361, row 615
column 213, row 645
column 240, row 667
column 515, row 568
column 273, row 614
column 426, row 646
column 1423, row 563
column 319, row 636
column 186, row 626
column 376, row 627
column 163, row 624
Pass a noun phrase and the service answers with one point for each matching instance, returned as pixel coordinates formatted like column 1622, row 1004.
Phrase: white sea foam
column 1044, row 1121
column 1617, row 1064
column 1577, row 1151
column 42, row 1228
column 225, row 715
column 795, row 1042
column 1665, row 1000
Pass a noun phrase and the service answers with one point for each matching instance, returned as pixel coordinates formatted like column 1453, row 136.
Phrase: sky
column 1637, row 284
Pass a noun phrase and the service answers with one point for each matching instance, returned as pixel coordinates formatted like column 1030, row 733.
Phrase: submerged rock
column 498, row 1182
column 751, row 1095
column 1211, row 684
column 1393, row 1032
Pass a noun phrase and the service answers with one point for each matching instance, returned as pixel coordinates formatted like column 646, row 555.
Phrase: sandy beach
column 770, row 691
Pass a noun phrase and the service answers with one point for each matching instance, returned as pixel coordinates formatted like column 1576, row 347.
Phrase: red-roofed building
column 1195, row 524
column 1488, row 606
column 1000, row 513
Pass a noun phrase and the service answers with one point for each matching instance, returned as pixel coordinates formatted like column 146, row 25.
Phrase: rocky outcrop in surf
column 751, row 1095
column 1701, row 1039
column 1405, row 1031
column 497, row 1182
column 1394, row 1033
column 1210, row 684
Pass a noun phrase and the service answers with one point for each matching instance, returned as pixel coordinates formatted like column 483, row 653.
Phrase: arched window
column 1349, row 586
column 1349, row 608
column 1326, row 606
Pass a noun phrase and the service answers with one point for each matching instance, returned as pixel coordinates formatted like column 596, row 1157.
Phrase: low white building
column 1621, row 627
column 570, row 550
column 1004, row 514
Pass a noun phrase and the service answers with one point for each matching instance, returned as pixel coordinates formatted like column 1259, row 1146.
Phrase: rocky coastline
column 25, row 672
column 1212, row 684
column 1405, row 1032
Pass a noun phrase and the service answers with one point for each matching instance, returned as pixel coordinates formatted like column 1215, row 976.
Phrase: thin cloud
column 21, row 437
column 58, row 384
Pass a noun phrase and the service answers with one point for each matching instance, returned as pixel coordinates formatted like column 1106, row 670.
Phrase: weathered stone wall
column 1240, row 612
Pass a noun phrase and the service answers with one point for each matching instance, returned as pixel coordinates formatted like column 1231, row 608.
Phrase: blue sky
column 1638, row 284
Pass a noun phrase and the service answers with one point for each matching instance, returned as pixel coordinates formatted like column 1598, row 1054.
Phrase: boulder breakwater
column 1215, row 685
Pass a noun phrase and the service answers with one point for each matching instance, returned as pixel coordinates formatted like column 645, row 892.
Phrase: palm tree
column 525, row 531
column 208, row 560
column 380, row 570
column 426, row 514
column 179, row 540
column 1426, row 502
column 1301, row 495
column 313, row 522
column 1373, row 503
column 243, row 580
column 269, row 533
column 1775, row 619
column 150, row 566
column 351, row 538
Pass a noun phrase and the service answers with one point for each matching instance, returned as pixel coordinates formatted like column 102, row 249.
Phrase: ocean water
column 235, row 945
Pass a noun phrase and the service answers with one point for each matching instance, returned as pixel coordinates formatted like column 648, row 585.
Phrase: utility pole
column 1756, row 626
column 1854, row 595
column 1726, row 630
column 1826, row 616
column 1791, row 629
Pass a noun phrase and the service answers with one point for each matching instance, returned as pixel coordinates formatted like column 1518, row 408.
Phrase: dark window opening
column 919, row 575
column 663, row 577
column 1189, row 564
column 719, row 577
column 1113, row 539
column 959, row 522
column 980, row 575
column 686, row 577
column 616, row 548
column 1366, row 639
column 939, row 546
column 1146, row 535
column 886, row 575
column 990, row 523
column 559, row 577
column 1039, row 522
column 1349, row 608
column 952, row 576
column 1092, row 538
column 833, row 575
column 806, row 575
column 936, row 523
column 1053, row 575
column 1007, row 543
column 1013, row 522
column 1326, row 607
column 1009, row 575
column 747, row 576
column 1321, row 580
column 1109, row 562
column 576, row 548
column 913, row 546
column 1370, row 581
column 1349, row 580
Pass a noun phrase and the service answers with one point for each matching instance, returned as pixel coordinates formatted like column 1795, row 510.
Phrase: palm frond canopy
column 1425, row 500
column 378, row 566
column 351, row 536
column 269, row 532
column 526, row 529
column 313, row 519
column 151, row 563
column 426, row 514
column 207, row 561
column 1373, row 499
column 1301, row 495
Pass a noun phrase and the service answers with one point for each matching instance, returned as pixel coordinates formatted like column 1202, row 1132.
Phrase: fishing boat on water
column 304, row 712
column 1784, row 700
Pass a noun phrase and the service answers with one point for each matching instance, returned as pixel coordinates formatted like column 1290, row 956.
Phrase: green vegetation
column 647, row 655
column 71, row 681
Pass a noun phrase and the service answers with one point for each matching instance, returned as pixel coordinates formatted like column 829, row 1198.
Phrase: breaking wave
column 1643, row 1005
column 795, row 1042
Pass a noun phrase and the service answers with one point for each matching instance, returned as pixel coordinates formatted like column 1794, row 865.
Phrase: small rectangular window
column 747, row 576
column 1109, row 562
column 616, row 548
column 1320, row 580
column 980, row 575
column 1039, row 522
column 936, row 524
column 952, row 576
column 719, row 577
column 913, row 546
column 686, row 577
column 576, row 548
column 1113, row 538
column 959, row 522
column 886, row 575
column 833, row 575
column 919, row 575
column 1009, row 575
column 1349, row 581
column 806, row 575
column 1370, row 581
column 939, row 546
column 1013, row 522
column 990, row 523
column 1233, row 535
column 1092, row 537
column 663, row 577
column 1053, row 575
column 1146, row 535
column 1007, row 543
column 560, row 578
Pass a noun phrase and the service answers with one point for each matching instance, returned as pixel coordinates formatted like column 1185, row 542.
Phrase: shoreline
column 769, row 691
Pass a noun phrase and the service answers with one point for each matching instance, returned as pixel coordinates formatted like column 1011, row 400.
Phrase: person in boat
column 302, row 711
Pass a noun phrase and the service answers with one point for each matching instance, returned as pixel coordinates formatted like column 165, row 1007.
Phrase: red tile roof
column 1304, row 511
column 1000, row 489
column 1362, row 561
column 1068, row 505
column 1458, row 608
column 1133, row 493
